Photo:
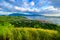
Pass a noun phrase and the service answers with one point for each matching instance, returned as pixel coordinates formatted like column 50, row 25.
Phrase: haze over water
column 55, row 20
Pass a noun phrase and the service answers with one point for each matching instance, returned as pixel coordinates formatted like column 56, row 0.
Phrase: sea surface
column 55, row 20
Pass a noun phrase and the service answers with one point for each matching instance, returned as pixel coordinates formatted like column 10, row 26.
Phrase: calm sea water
column 55, row 20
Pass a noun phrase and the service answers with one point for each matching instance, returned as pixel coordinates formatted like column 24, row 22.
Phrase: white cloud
column 51, row 8
column 32, row 3
column 34, row 10
column 8, row 5
column 20, row 8
column 27, row 9
column 25, row 3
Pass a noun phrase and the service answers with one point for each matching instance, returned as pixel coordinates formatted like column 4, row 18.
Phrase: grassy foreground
column 28, row 34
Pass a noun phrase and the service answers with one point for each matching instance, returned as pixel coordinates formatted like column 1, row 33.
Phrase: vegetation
column 28, row 34
column 21, row 28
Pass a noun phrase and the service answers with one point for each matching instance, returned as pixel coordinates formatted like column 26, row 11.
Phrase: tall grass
column 27, row 34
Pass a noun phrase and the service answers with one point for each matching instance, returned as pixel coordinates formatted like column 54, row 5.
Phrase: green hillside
column 21, row 28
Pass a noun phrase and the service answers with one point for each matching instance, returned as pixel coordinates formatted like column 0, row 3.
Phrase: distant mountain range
column 28, row 14
column 20, row 14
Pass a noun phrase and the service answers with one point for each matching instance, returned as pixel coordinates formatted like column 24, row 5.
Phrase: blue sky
column 46, row 6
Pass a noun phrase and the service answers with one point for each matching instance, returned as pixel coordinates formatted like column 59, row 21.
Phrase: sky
column 46, row 6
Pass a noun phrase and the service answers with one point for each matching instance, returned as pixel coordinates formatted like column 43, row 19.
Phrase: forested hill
column 19, row 21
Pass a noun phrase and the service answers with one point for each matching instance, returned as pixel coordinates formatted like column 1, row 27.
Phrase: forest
column 21, row 28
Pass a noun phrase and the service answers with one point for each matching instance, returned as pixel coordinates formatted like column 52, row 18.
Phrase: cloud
column 26, row 9
column 5, row 13
column 32, row 3
column 7, row 7
column 51, row 8
column 5, row 4
column 25, row 3
column 20, row 8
